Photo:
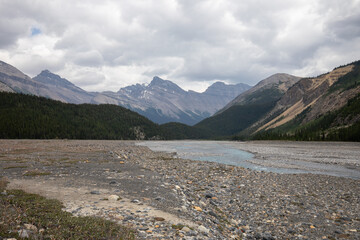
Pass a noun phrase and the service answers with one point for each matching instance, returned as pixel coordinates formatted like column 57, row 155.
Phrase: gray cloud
column 105, row 45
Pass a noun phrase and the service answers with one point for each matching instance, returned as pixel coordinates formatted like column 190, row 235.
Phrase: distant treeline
column 32, row 117
column 25, row 116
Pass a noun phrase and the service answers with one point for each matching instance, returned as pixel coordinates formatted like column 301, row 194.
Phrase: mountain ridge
column 315, row 108
column 161, row 100
column 249, row 106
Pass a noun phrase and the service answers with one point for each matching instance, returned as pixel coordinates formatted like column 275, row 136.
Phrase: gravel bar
column 164, row 197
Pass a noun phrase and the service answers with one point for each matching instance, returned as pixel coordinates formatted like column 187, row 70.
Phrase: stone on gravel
column 199, row 209
column 23, row 233
column 203, row 229
column 113, row 198
column 30, row 227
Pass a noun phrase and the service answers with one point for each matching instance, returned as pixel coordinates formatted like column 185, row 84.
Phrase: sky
column 109, row 44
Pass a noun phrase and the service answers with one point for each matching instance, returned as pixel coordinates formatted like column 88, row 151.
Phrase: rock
column 267, row 236
column 30, row 227
column 203, row 229
column 113, row 182
column 186, row 229
column 213, row 214
column 95, row 192
column 23, row 233
column 291, row 231
column 159, row 219
column 198, row 209
column 129, row 218
column 209, row 195
column 143, row 228
column 135, row 201
column 142, row 234
column 113, row 198
column 191, row 233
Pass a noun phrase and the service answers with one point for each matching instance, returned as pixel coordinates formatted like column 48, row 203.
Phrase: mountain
column 249, row 106
column 46, row 84
column 61, row 89
column 163, row 101
column 26, row 116
column 324, row 107
column 273, row 86
column 16, row 81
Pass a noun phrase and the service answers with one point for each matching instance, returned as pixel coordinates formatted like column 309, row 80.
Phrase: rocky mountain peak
column 165, row 84
column 48, row 77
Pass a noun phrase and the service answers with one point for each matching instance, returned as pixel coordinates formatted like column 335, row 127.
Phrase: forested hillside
column 239, row 117
column 25, row 116
column 334, row 115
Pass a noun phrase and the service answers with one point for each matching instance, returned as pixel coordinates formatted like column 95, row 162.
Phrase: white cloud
column 105, row 45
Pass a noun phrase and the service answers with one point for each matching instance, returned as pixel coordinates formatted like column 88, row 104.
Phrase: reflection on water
column 226, row 153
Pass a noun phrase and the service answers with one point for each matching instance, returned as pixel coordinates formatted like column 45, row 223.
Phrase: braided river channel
column 334, row 159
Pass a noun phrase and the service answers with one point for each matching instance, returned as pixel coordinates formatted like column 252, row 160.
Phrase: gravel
column 169, row 198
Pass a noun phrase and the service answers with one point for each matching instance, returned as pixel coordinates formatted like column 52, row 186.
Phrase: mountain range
column 326, row 107
column 161, row 101
column 282, row 106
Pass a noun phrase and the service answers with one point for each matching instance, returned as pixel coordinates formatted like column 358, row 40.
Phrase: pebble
column 23, row 233
column 203, row 229
column 222, row 202
column 30, row 227
column 113, row 197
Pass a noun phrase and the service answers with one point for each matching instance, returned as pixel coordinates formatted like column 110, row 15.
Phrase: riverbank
column 169, row 198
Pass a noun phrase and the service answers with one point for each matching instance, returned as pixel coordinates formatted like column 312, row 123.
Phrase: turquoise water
column 225, row 153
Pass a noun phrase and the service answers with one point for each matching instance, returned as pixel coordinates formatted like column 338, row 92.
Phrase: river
column 334, row 159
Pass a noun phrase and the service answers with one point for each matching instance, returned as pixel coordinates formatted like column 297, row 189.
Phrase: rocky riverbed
column 164, row 197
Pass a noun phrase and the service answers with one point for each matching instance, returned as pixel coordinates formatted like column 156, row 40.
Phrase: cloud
column 105, row 45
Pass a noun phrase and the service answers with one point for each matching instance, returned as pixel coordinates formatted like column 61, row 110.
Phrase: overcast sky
column 105, row 45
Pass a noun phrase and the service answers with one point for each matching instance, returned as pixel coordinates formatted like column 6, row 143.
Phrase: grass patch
column 18, row 208
column 11, row 167
column 36, row 173
column 178, row 226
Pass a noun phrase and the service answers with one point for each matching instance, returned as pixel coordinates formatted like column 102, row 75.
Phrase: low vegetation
column 41, row 218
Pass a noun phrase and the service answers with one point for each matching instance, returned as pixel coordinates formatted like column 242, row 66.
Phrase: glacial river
column 282, row 159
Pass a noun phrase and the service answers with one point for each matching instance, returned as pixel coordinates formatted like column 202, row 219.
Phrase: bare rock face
column 312, row 94
column 5, row 88
column 61, row 89
column 163, row 101
column 46, row 84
